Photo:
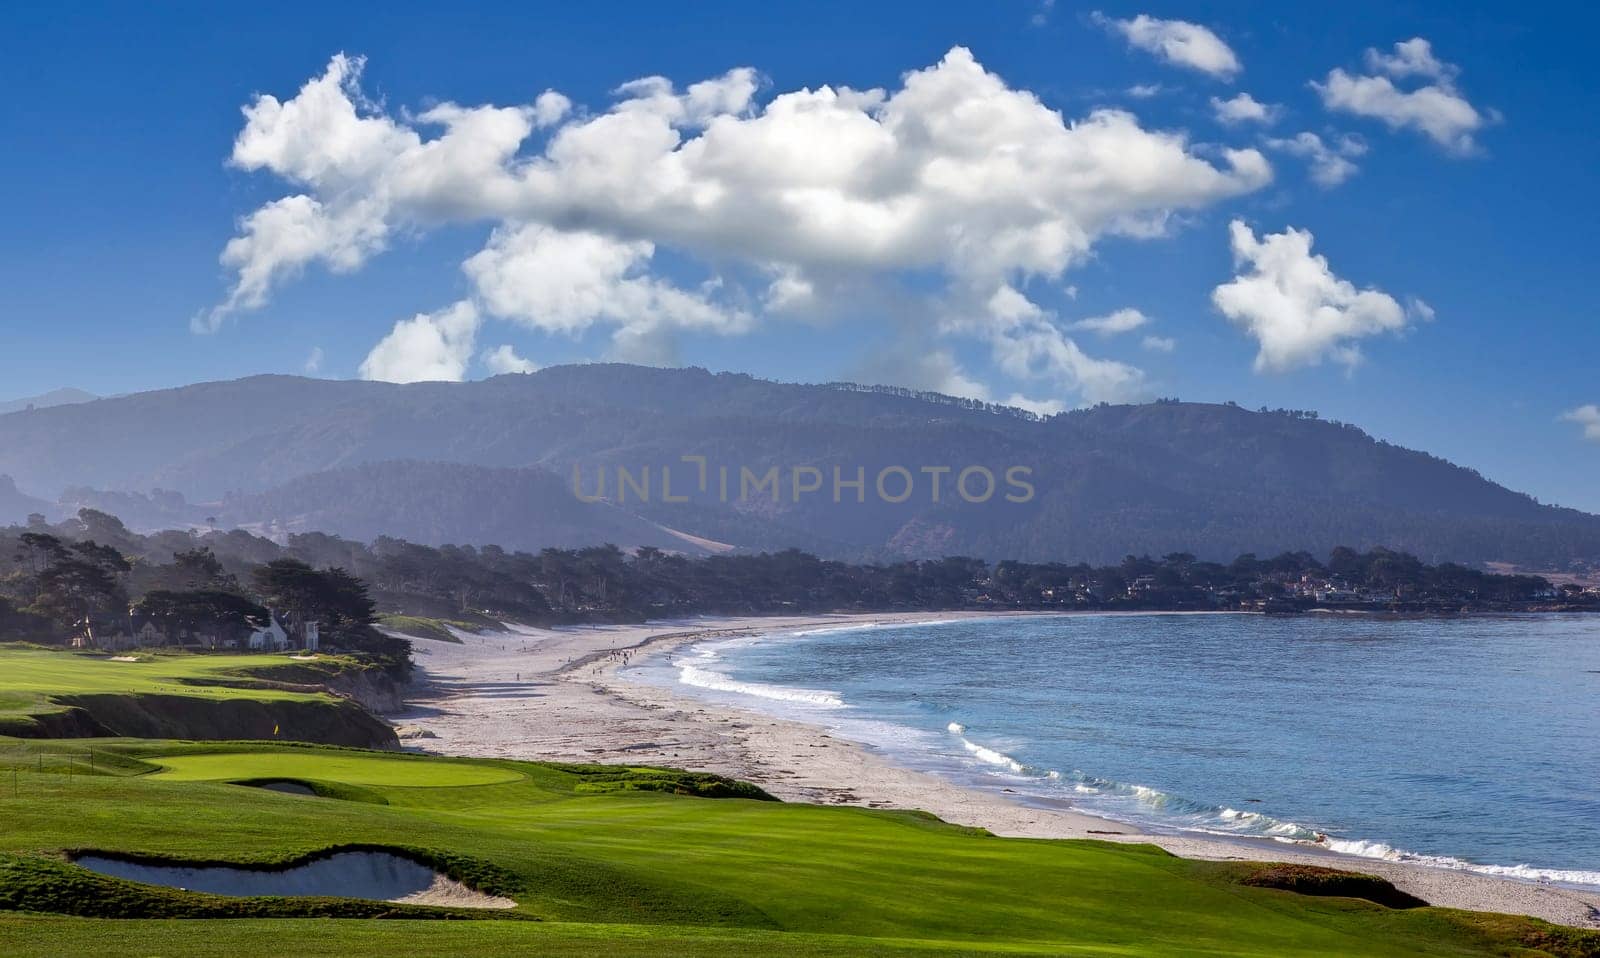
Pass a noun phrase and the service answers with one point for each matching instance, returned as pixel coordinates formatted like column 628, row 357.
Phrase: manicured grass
column 31, row 678
column 48, row 693
column 624, row 872
column 346, row 768
column 422, row 627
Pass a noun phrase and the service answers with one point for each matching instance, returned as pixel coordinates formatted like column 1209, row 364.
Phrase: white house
column 272, row 638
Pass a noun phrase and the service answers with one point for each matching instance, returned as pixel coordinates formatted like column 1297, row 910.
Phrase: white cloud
column 1413, row 57
column 565, row 282
column 504, row 359
column 1244, row 108
column 1589, row 418
column 1124, row 320
column 954, row 175
column 1330, row 164
column 1144, row 91
column 1436, row 109
column 1042, row 407
column 1294, row 306
column 1178, row 42
column 429, row 347
column 1159, row 344
column 1027, row 344
column 550, row 108
column 313, row 363
column 281, row 238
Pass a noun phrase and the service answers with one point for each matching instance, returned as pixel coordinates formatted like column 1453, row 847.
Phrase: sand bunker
column 378, row 876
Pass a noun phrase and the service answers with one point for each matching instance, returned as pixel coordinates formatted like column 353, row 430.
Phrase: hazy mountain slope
column 441, row 503
column 55, row 397
column 16, row 506
column 141, row 441
column 1212, row 479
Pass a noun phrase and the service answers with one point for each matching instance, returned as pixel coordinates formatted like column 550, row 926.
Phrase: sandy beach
column 556, row 694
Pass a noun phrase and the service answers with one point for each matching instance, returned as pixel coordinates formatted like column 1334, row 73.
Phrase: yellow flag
column 275, row 731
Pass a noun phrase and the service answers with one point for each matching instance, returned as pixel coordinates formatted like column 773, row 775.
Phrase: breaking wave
column 696, row 671
column 1145, row 806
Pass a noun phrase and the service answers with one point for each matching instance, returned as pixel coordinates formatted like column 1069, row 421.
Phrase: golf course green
column 625, row 861
column 52, row 694
column 597, row 859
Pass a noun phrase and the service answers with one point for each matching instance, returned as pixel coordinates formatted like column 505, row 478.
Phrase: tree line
column 55, row 579
column 59, row 585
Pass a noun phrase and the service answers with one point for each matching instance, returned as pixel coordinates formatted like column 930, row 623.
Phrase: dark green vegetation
column 604, row 860
column 1331, row 882
column 491, row 462
column 91, row 583
column 192, row 582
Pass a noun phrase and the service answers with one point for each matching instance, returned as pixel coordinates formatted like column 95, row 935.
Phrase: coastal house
column 269, row 638
column 273, row 637
column 117, row 633
column 147, row 633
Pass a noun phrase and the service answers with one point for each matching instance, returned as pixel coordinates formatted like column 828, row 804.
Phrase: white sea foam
column 1378, row 850
column 1185, row 815
column 991, row 757
column 716, row 681
column 871, row 626
column 983, row 753
column 696, row 670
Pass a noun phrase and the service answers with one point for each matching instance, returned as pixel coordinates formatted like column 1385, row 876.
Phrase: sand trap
column 377, row 876
column 124, row 658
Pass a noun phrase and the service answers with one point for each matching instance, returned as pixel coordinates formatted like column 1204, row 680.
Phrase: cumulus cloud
column 1436, row 109
column 1028, row 344
column 504, row 359
column 1244, row 108
column 1124, row 320
column 954, row 175
column 1178, row 42
column 1331, row 164
column 566, row 281
column 313, row 363
column 1294, row 306
column 1413, row 57
column 1589, row 418
column 1159, row 344
column 429, row 347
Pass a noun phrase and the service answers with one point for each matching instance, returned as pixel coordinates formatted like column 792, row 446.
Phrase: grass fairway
column 610, row 861
column 46, row 693
column 342, row 768
column 32, row 678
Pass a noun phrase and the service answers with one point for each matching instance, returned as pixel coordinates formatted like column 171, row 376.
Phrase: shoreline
column 558, row 695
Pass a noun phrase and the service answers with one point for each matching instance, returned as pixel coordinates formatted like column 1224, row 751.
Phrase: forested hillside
column 494, row 461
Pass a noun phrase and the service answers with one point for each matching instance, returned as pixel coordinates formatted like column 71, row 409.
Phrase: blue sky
column 120, row 196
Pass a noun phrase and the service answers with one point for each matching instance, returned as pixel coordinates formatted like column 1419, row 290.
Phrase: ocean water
column 1459, row 742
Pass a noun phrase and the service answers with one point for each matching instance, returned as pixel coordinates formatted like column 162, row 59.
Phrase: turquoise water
column 1462, row 742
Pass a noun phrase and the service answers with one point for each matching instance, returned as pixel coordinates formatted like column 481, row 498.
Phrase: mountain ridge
column 1162, row 476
